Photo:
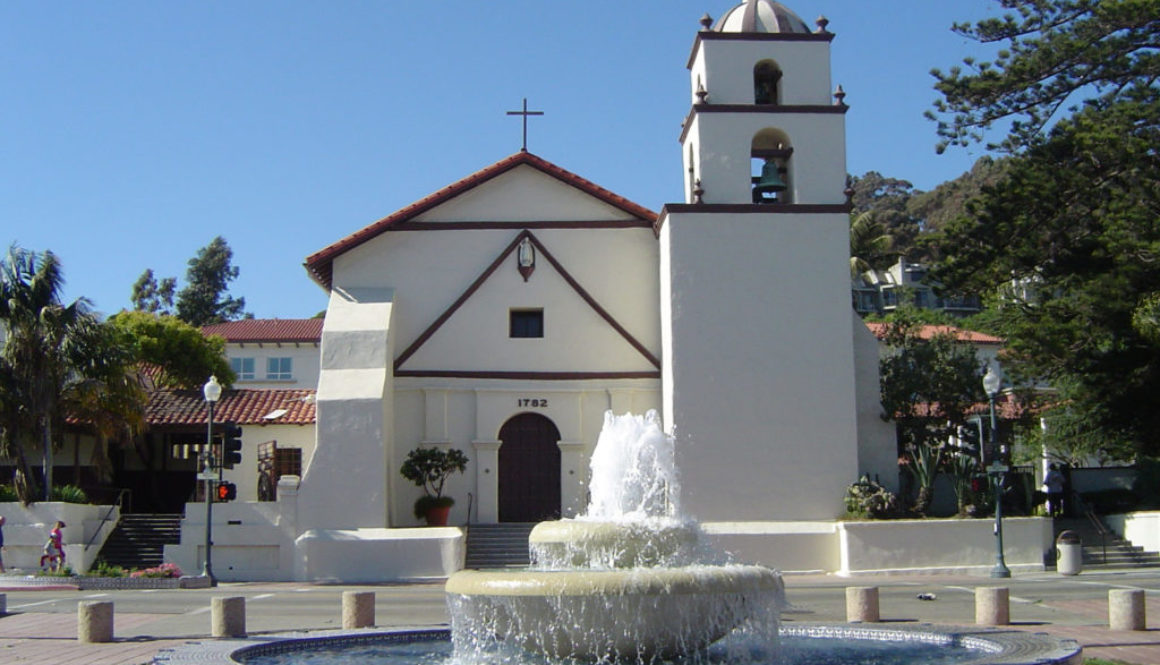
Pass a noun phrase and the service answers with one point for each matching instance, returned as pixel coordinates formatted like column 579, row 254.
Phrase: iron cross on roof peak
column 525, row 113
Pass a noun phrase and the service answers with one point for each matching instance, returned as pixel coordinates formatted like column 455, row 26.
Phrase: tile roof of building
column 267, row 330
column 929, row 331
column 245, row 407
column 319, row 264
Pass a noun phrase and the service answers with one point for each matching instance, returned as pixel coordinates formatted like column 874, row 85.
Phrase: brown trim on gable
column 568, row 278
column 526, row 376
column 492, row 226
column 751, row 208
column 320, row 264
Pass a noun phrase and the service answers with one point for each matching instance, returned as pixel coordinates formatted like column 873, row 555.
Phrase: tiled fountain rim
column 999, row 647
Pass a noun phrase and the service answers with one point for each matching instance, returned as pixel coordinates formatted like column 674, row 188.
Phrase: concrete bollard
column 862, row 604
column 992, row 606
column 228, row 616
column 95, row 621
column 1126, row 609
column 358, row 609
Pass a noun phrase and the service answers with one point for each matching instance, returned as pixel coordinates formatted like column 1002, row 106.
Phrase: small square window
column 526, row 323
column 278, row 369
column 243, row 368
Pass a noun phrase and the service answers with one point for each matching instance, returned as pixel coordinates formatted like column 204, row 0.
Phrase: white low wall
column 1142, row 528
column 27, row 527
column 791, row 547
column 379, row 555
column 941, row 546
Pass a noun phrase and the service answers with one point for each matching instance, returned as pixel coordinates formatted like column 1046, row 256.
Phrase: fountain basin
column 569, row 543
column 641, row 613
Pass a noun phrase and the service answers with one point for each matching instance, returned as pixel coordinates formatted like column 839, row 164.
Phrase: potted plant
column 429, row 468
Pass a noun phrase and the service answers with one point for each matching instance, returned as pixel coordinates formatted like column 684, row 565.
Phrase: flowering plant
column 164, row 570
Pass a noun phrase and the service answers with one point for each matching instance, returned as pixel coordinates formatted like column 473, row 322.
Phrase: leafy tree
column 152, row 296
column 1054, row 52
column 55, row 356
column 928, row 387
column 948, row 201
column 870, row 243
column 1069, row 234
column 184, row 356
column 1074, row 229
column 886, row 201
column 204, row 300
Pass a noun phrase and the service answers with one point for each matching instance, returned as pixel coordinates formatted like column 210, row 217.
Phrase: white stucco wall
column 725, row 68
column 27, row 528
column 955, row 545
column 1141, row 528
column 760, row 389
column 877, row 440
column 304, row 363
column 353, row 414
column 468, row 414
column 722, row 143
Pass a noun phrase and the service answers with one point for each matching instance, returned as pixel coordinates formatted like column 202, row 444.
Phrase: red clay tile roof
column 267, row 330
column 320, row 263
column 929, row 331
column 245, row 407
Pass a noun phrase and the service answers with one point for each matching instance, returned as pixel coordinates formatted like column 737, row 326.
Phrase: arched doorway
column 529, row 469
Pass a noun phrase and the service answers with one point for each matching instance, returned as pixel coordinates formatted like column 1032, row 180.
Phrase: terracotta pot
column 437, row 515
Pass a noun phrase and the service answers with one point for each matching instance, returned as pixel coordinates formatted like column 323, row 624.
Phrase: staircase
column 498, row 545
column 139, row 540
column 1107, row 550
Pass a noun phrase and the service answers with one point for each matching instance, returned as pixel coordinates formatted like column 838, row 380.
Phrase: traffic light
column 227, row 492
column 231, row 445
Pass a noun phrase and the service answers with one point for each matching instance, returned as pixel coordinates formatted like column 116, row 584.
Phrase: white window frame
column 279, row 368
column 238, row 364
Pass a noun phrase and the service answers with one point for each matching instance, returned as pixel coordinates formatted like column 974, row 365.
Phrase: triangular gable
column 546, row 256
column 320, row 264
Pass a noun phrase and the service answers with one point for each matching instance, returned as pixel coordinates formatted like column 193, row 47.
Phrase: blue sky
column 133, row 132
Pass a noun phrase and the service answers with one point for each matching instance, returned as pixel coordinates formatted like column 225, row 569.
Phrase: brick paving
column 52, row 638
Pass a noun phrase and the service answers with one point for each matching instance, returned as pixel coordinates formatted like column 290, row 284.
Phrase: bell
column 770, row 182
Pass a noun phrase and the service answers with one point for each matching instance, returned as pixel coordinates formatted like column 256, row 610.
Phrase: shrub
column 164, row 570
column 868, row 499
column 65, row 571
column 103, row 568
column 8, row 493
column 69, row 494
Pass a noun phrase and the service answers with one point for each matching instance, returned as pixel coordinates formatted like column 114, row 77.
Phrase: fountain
column 630, row 578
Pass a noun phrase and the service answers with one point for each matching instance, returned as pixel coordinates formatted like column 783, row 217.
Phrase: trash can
column 1068, row 553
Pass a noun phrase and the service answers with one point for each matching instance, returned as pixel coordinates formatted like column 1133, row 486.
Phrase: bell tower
column 757, row 329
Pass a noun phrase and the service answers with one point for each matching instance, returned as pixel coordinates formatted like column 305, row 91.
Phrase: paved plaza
column 42, row 623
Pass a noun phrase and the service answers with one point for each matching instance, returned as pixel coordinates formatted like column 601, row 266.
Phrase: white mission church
column 505, row 313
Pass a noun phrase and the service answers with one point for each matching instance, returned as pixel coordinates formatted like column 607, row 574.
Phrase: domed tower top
column 761, row 16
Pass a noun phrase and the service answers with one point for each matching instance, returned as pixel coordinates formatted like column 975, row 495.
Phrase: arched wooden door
column 529, row 469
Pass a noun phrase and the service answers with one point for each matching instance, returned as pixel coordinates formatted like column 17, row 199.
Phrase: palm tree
column 54, row 355
column 870, row 243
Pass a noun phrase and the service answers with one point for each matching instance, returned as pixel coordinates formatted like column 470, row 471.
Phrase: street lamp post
column 212, row 390
column 996, row 470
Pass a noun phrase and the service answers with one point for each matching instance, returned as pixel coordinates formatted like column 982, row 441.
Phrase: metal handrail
column 1098, row 525
column 117, row 503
